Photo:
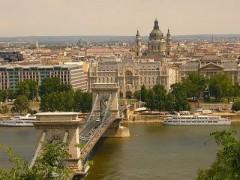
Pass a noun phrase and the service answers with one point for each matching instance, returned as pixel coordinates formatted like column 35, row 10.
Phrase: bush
column 236, row 105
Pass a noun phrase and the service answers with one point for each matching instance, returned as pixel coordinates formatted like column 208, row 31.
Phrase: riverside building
column 209, row 66
column 72, row 74
column 131, row 74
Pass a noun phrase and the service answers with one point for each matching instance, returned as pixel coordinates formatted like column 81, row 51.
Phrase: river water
column 152, row 152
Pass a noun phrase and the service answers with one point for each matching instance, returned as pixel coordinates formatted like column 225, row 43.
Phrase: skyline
column 106, row 17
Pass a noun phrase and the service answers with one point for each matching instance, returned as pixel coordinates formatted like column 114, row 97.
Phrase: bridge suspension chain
column 91, row 126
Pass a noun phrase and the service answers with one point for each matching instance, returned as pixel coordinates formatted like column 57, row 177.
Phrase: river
column 152, row 152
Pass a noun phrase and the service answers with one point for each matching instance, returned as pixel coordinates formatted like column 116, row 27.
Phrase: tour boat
column 182, row 120
column 19, row 121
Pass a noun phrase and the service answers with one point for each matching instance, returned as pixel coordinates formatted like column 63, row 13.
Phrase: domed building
column 158, row 45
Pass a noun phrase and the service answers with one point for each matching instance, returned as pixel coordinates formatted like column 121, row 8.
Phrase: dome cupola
column 156, row 33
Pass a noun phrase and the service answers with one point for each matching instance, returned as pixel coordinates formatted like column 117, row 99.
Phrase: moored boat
column 182, row 120
column 19, row 121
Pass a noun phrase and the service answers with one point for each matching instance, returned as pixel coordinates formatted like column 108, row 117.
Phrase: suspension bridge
column 81, row 135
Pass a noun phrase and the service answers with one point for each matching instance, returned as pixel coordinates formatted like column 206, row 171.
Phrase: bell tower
column 138, row 45
column 168, row 43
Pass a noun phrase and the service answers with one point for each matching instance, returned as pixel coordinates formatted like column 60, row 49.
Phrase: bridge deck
column 95, row 136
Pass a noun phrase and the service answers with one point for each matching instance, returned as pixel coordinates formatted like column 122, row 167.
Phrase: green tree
column 236, row 105
column 195, row 84
column 235, row 90
column 220, row 86
column 3, row 95
column 82, row 101
column 21, row 104
column 227, row 163
column 58, row 101
column 50, row 165
column 150, row 100
column 179, row 94
column 160, row 96
column 51, row 85
column 169, row 102
column 143, row 93
column 137, row 94
column 11, row 94
column 28, row 88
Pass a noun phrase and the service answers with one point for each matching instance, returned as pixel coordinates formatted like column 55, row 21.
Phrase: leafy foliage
column 29, row 88
column 82, row 101
column 57, row 101
column 3, row 95
column 179, row 93
column 236, row 105
column 158, row 98
column 195, row 84
column 52, row 85
column 227, row 163
column 220, row 86
column 21, row 104
column 61, row 97
column 50, row 165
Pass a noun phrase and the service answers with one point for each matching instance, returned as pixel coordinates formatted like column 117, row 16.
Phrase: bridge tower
column 106, row 95
column 63, row 126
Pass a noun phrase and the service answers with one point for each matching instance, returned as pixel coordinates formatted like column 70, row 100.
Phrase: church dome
column 156, row 33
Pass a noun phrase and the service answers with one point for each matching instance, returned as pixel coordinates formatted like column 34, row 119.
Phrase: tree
column 235, row 91
column 150, row 100
column 58, row 101
column 169, row 102
column 195, row 84
column 56, row 96
column 3, row 95
column 179, row 94
column 29, row 88
column 50, row 165
column 143, row 93
column 220, row 86
column 160, row 97
column 21, row 104
column 82, row 101
column 236, row 105
column 11, row 94
column 51, row 85
column 227, row 163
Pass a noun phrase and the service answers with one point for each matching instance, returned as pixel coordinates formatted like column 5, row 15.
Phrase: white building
column 72, row 74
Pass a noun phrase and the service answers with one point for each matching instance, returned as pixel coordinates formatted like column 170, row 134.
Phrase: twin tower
column 158, row 44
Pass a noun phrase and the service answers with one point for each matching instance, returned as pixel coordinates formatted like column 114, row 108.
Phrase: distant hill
column 98, row 39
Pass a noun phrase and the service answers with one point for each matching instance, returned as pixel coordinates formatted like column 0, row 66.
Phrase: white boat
column 19, row 121
column 182, row 120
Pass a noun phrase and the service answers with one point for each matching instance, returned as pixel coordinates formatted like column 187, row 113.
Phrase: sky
column 117, row 17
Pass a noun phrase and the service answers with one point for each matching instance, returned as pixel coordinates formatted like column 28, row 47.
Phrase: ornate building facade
column 211, row 65
column 130, row 74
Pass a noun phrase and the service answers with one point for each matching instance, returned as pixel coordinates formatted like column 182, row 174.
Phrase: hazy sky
column 117, row 17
